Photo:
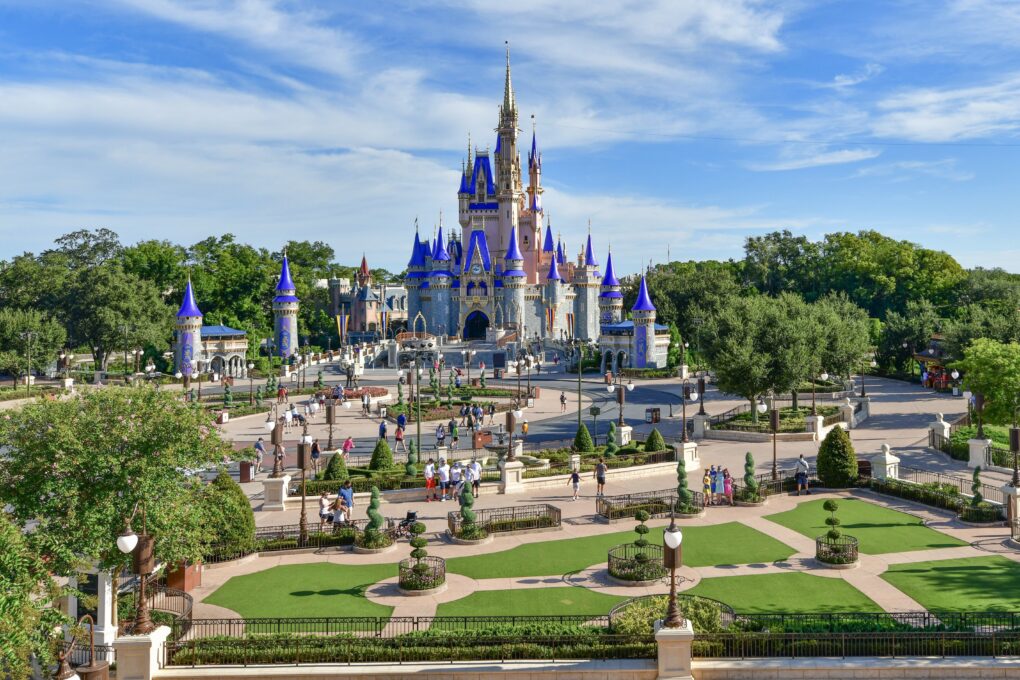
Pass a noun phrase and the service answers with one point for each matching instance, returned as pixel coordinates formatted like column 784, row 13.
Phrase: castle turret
column 285, row 313
column 610, row 296
column 509, row 191
column 414, row 277
column 514, row 281
column 440, row 281
column 586, row 300
column 189, row 332
column 643, row 314
column 555, row 293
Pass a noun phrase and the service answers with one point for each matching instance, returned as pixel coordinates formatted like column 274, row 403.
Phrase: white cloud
column 801, row 162
column 945, row 168
column 845, row 80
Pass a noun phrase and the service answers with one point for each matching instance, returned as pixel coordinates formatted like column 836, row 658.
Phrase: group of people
column 316, row 453
column 445, row 480
column 472, row 417
column 717, row 486
column 599, row 475
column 337, row 511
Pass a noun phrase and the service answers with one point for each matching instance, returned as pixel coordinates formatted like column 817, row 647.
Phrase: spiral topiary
column 228, row 396
column 469, row 528
column 751, row 489
column 320, row 382
column 373, row 537
column 684, row 496
column 259, row 395
column 975, row 488
column 481, row 379
column 611, row 444
column 410, row 469
column 449, row 395
column 400, row 394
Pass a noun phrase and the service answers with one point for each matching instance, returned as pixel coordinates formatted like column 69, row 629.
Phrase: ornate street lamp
column 824, row 376
column 304, row 449
column 276, row 438
column 141, row 546
column 251, row 385
column 621, row 390
column 511, row 423
column 95, row 670
column 672, row 557
column 689, row 392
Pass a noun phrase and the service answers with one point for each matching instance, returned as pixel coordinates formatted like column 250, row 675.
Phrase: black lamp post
column 579, row 346
column 142, row 547
column 276, row 439
column 672, row 557
column 95, row 670
column 303, row 454
column 511, row 425
column 621, row 391
column 689, row 392
column 701, row 396
column 823, row 376
column 420, row 348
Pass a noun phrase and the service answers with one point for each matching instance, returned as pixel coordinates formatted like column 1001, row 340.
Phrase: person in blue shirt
column 382, row 429
column 402, row 421
column 345, row 496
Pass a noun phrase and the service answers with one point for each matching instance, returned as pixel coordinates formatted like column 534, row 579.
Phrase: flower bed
column 629, row 562
column 790, row 421
column 513, row 518
column 842, row 550
column 424, row 574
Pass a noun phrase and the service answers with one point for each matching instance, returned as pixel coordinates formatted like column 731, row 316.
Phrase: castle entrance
column 475, row 326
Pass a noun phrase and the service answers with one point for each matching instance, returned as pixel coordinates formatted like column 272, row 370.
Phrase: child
column 324, row 514
column 575, row 479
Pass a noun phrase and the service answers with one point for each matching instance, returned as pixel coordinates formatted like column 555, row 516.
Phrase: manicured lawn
column 879, row 530
column 787, row 593
column 319, row 589
column 969, row 584
column 730, row 543
column 531, row 602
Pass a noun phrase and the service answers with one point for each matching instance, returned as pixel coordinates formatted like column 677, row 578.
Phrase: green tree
column 906, row 333
column 44, row 344
column 843, row 335
column 382, row 456
column 336, row 469
column 76, row 468
column 837, row 462
column 978, row 321
column 676, row 347
column 28, row 620
column 229, row 520
column 655, row 442
column 781, row 262
column 582, row 440
column 162, row 264
column 992, row 369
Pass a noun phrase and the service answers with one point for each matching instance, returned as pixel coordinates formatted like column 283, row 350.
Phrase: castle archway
column 475, row 325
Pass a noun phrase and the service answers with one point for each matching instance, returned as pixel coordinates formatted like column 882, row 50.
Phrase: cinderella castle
column 502, row 273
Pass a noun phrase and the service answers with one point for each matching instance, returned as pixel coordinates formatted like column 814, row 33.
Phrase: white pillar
column 940, row 426
column 885, row 465
column 1011, row 495
column 674, row 651
column 814, row 425
column 138, row 656
column 701, row 426
column 626, row 434
column 689, row 451
column 977, row 448
column 512, row 477
column 106, row 628
column 274, row 493
column 846, row 412
column 575, row 461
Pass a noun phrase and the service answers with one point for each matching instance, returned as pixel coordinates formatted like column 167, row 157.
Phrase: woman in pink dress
column 728, row 486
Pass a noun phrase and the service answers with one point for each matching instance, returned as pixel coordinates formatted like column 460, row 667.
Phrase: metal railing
column 834, row 622
column 655, row 503
column 78, row 655
column 962, row 485
column 962, row 421
column 945, row 445
column 830, row 420
column 424, row 574
column 842, row 550
column 637, row 563
column 936, row 498
column 288, row 537
column 513, row 518
column 841, row 645
column 998, row 456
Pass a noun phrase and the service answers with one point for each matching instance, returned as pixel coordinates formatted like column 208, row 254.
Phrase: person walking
column 524, row 429
column 456, row 480
column 316, row 455
column 465, row 410
column 399, row 437
column 430, row 480
column 324, row 513
column 440, row 435
column 492, row 412
column 563, row 402
column 402, row 421
column 454, row 435
column 382, row 430
column 600, row 477
column 260, row 452
column 346, row 494
column 366, row 404
column 802, row 475
column 347, row 447
column 476, row 477
column 575, row 480
column 444, row 477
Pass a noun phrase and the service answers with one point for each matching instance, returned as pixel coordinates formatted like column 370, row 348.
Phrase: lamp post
column 621, row 390
column 1014, row 445
column 672, row 557
column 823, row 376
column 303, row 453
column 579, row 346
column 689, row 392
column 94, row 670
column 141, row 546
column 28, row 336
column 276, row 437
column 701, row 396
column 468, row 354
column 955, row 375
column 251, row 384
column 511, row 424
column 138, row 357
column 420, row 348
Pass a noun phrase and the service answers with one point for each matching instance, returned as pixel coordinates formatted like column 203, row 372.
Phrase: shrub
column 837, row 462
column 975, row 488
column 382, row 456
column 411, row 468
column 641, row 530
column 639, row 618
column 655, row 442
column 683, row 494
column 228, row 515
column 612, row 445
column 373, row 536
column 469, row 529
column 336, row 469
column 582, row 441
column 832, row 521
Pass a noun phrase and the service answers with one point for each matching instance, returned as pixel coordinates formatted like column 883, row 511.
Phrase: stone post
column 814, row 425
column 940, row 426
column 1011, row 496
column 106, row 629
column 689, row 451
column 626, row 434
column 885, row 465
column 674, row 651
column 575, row 462
column 977, row 448
column 512, row 477
column 846, row 413
column 274, row 493
column 701, row 426
column 138, row 656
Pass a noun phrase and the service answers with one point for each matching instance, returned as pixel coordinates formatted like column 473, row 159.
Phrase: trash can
column 497, row 373
column 382, row 411
column 246, row 471
column 653, row 415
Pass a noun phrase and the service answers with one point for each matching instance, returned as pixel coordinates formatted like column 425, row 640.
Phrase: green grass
column 531, row 602
column 970, row 584
column 319, row 589
column 729, row 543
column 786, row 593
column 879, row 530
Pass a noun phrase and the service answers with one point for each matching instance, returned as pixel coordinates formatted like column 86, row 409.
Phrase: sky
column 677, row 127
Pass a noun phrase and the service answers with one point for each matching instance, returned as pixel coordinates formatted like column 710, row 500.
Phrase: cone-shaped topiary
column 382, row 456
column 655, row 442
column 975, row 488
column 229, row 517
column 336, row 469
column 611, row 444
column 837, row 462
column 582, row 440
column 410, row 469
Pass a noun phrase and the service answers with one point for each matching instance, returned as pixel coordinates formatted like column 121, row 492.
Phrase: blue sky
column 676, row 124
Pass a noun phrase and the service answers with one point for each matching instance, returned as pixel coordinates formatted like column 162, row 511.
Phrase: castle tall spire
column 508, row 88
column 188, row 306
column 644, row 301
column 610, row 279
column 286, row 282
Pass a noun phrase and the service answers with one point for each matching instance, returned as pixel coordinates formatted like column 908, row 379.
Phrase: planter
column 631, row 584
column 463, row 541
column 686, row 515
column 843, row 550
column 828, row 565
column 645, row 562
column 750, row 504
column 246, row 472
column 374, row 551
column 421, row 593
column 185, row 577
column 980, row 525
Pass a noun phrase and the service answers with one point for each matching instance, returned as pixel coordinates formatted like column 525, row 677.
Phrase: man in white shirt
column 444, row 477
column 430, row 481
column 456, row 480
column 476, row 476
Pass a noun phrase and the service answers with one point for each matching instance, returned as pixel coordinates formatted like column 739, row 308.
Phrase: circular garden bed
column 636, row 565
column 839, row 553
column 424, row 576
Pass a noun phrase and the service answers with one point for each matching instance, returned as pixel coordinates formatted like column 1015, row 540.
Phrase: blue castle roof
column 548, row 247
column 286, row 283
column 559, row 253
column 483, row 167
column 533, row 156
column 610, row 278
column 220, row 331
column 589, row 257
column 440, row 255
column 554, row 272
column 417, row 256
column 644, row 302
column 514, row 251
column 478, row 243
column 188, row 306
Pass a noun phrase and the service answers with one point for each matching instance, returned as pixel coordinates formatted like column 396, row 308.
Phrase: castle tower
column 643, row 313
column 507, row 159
column 416, row 274
column 548, row 251
column 555, row 293
column 285, row 313
column 586, row 301
column 189, row 332
column 530, row 231
column 440, row 281
column 610, row 297
column 514, row 281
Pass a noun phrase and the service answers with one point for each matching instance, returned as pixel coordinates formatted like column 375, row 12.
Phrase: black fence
column 842, row 550
column 655, row 503
column 998, row 456
column 424, row 574
column 631, row 562
column 731, row 645
column 946, row 446
column 767, row 486
column 936, row 497
column 289, row 537
column 835, row 622
column 514, row 518
column 961, row 485
column 78, row 655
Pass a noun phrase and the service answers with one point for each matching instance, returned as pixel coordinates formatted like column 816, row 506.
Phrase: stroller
column 404, row 527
